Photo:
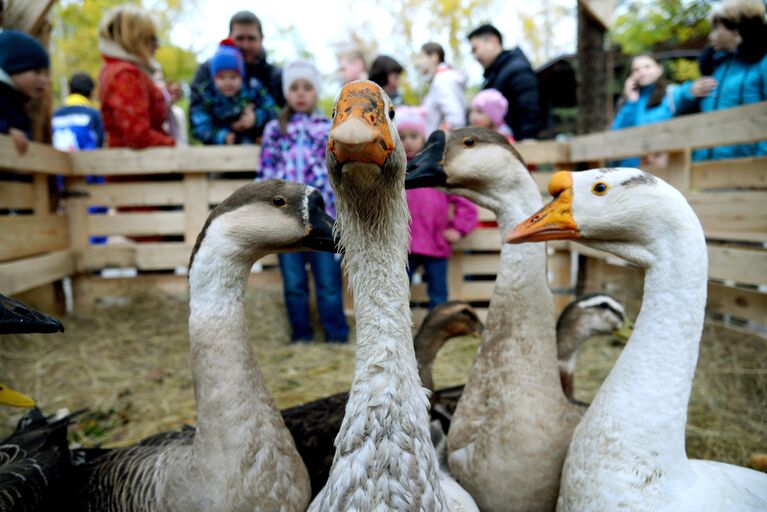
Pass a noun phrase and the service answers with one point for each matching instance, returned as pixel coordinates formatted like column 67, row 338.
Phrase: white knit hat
column 300, row 70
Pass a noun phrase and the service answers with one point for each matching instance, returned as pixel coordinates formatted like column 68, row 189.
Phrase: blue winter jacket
column 738, row 83
column 77, row 125
column 637, row 113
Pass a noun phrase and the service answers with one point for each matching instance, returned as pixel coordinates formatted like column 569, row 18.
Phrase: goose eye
column 469, row 141
column 599, row 188
column 391, row 114
column 279, row 201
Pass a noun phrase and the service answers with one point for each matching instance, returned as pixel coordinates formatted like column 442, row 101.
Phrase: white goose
column 509, row 435
column 628, row 452
column 242, row 457
column 384, row 458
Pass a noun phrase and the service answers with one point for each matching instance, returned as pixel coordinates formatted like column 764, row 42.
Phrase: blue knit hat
column 20, row 52
column 227, row 57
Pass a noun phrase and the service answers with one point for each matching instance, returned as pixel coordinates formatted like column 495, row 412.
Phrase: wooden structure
column 41, row 242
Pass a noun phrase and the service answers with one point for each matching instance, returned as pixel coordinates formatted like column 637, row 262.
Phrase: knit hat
column 411, row 118
column 227, row 58
column 300, row 70
column 491, row 103
column 20, row 52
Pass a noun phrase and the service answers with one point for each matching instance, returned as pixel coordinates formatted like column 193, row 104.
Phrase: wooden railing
column 168, row 192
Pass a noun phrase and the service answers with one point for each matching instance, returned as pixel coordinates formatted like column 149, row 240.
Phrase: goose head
column 364, row 150
column 266, row 217
column 590, row 315
column 448, row 320
column 17, row 318
column 476, row 163
column 627, row 212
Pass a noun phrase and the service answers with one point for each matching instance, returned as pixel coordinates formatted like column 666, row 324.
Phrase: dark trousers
column 435, row 272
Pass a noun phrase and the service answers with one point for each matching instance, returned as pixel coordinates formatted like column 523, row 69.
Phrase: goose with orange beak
column 384, row 457
column 628, row 451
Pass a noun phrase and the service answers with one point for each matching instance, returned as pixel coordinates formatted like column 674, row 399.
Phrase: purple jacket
column 299, row 154
column 430, row 214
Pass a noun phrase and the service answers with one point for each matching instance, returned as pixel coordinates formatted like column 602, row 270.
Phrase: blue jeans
column 435, row 270
column 330, row 299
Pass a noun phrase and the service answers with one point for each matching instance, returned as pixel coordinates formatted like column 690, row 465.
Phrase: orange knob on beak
column 360, row 130
column 555, row 220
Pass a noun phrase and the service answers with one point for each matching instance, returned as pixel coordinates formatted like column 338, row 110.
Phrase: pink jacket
column 430, row 213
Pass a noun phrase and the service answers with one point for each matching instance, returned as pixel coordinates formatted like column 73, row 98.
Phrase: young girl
column 293, row 148
column 488, row 109
column 432, row 230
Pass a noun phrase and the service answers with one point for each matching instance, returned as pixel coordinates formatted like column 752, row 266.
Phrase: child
column 23, row 76
column 432, row 230
column 225, row 116
column 77, row 124
column 293, row 148
column 488, row 109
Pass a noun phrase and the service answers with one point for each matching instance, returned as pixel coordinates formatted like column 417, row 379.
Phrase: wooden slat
column 165, row 160
column 22, row 275
column 136, row 194
column 144, row 256
column 739, row 302
column 477, row 264
column 154, row 223
column 17, row 195
column 218, row 190
column 732, row 215
column 548, row 152
column 42, row 194
column 38, row 158
column 730, row 126
column 747, row 266
column 735, row 173
column 481, row 239
column 195, row 205
column 542, row 180
column 485, row 215
column 29, row 235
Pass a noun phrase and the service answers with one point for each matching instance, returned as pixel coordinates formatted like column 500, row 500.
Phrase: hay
column 129, row 365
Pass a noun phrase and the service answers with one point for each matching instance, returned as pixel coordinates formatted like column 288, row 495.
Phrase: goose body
column 242, row 457
column 384, row 458
column 512, row 426
column 628, row 452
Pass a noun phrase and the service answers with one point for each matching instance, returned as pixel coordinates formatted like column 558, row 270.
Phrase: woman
column 645, row 100
column 132, row 106
column 736, row 69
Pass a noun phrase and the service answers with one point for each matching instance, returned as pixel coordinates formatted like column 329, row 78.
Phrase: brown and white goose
column 512, row 426
column 242, row 457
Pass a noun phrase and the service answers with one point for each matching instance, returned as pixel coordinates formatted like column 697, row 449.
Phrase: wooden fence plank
column 29, row 235
column 477, row 264
column 482, row 239
column 38, row 158
column 195, row 205
column 15, row 195
column 544, row 152
column 735, row 173
column 742, row 265
column 739, row 302
column 732, row 215
column 193, row 159
column 218, row 190
column 136, row 194
column 730, row 126
column 19, row 276
column 144, row 256
column 153, row 223
column 42, row 195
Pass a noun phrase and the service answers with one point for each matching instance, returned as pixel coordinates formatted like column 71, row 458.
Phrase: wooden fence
column 167, row 193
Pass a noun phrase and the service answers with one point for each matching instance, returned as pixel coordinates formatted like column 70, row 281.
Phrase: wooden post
column 77, row 215
column 561, row 277
column 592, row 73
column 195, row 205
column 41, row 194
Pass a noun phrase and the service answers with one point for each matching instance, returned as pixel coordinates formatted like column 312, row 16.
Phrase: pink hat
column 411, row 118
column 491, row 103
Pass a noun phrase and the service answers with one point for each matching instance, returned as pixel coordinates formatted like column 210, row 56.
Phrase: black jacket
column 268, row 74
column 12, row 110
column 513, row 76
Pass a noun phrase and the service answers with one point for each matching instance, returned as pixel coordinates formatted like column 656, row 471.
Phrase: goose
column 628, row 452
column 384, row 456
column 509, row 435
column 242, row 456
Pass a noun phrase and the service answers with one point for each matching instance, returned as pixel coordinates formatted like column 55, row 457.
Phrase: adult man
column 510, row 72
column 351, row 67
column 445, row 102
column 246, row 32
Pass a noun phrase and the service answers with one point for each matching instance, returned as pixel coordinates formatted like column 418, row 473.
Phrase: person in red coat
column 133, row 108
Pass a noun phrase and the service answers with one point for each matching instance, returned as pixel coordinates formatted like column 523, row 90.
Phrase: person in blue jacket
column 646, row 99
column 77, row 124
column 736, row 71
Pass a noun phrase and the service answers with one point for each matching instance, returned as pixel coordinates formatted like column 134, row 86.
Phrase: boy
column 23, row 76
column 226, row 116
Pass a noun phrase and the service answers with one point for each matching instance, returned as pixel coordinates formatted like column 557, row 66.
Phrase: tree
column 539, row 29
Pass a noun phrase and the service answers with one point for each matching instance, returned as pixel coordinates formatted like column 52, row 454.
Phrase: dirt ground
column 129, row 365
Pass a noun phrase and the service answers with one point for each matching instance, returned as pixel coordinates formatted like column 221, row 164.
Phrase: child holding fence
column 293, row 149
column 433, row 229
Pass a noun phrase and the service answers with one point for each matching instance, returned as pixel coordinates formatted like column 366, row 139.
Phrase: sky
column 319, row 24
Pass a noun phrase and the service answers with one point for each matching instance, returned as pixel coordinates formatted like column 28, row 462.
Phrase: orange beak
column 360, row 130
column 555, row 220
